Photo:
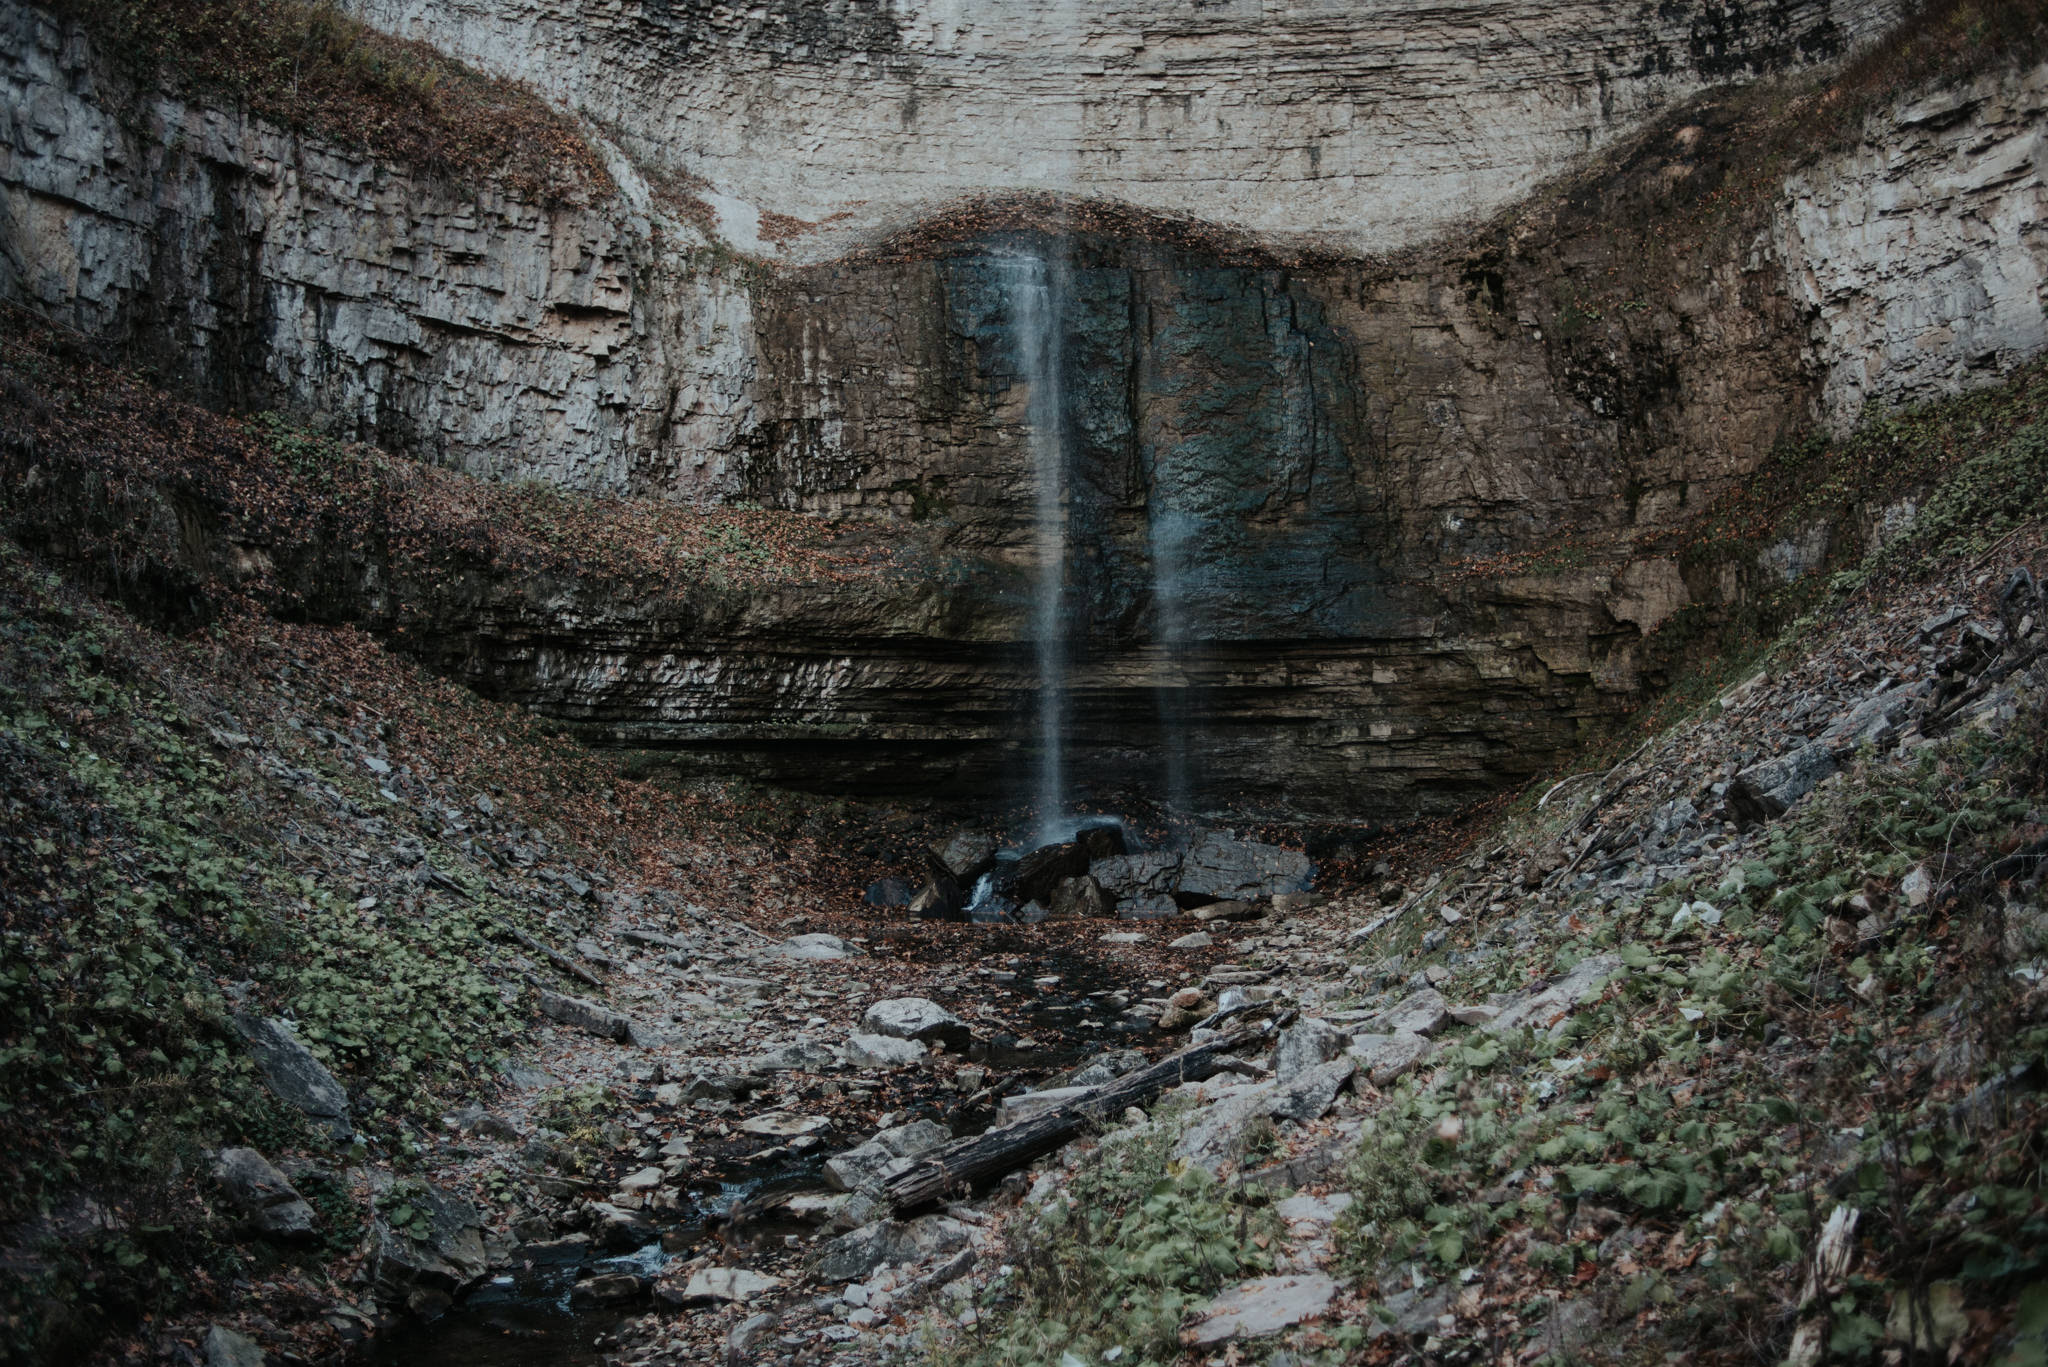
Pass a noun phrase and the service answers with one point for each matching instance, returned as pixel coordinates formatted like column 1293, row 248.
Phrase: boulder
column 1220, row 1132
column 294, row 1076
column 917, row 1018
column 1542, row 1007
column 618, row 1229
column 1262, row 1307
column 1220, row 867
column 1308, row 1042
column 264, row 1197
column 889, row 892
column 1387, row 1057
column 966, row 855
column 884, row 1155
column 1042, row 870
column 881, row 1051
column 583, row 1014
column 1768, row 789
column 1420, row 1013
column 446, row 1262
column 1312, row 1092
column 855, row 1255
column 1129, row 877
column 938, row 901
column 226, row 1348
column 1101, row 842
column 1081, row 896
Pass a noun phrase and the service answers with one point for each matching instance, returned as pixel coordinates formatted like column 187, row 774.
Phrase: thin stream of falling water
column 1170, row 535
column 1034, row 303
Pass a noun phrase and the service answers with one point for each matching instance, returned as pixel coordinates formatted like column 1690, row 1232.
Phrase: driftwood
column 979, row 1158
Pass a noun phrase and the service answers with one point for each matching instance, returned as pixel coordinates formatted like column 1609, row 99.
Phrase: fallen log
column 552, row 955
column 953, row 1167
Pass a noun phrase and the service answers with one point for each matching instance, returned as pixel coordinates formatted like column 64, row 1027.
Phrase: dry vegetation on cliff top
column 88, row 438
column 306, row 65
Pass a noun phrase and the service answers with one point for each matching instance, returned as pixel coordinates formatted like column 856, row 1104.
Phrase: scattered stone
column 820, row 947
column 783, row 1124
column 1101, row 842
column 1229, row 911
column 744, row 1338
column 1321, row 1210
column 882, row 1051
column 266, row 1199
column 1132, row 877
column 715, row 1285
column 1475, row 1014
column 1261, row 1307
column 1200, row 939
column 646, row 1179
column 1024, row 1105
column 294, row 1076
column 802, row 1057
column 607, row 1288
column 582, row 1014
column 1219, row 1134
column 1696, row 913
column 1768, row 789
column 1123, row 937
column 917, row 1018
column 1917, row 886
column 1184, row 1008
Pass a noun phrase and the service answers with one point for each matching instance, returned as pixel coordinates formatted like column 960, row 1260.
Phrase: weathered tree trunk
column 964, row 1162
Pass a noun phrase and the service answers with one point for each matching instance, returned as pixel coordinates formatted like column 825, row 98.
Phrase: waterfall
column 1032, row 283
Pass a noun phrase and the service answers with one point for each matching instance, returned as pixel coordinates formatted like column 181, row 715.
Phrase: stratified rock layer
column 1345, row 469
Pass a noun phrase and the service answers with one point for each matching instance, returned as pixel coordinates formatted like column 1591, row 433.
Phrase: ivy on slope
column 191, row 829
column 1850, row 1017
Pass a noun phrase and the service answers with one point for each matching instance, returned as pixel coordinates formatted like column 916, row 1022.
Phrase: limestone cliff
column 1364, row 128
column 1359, row 456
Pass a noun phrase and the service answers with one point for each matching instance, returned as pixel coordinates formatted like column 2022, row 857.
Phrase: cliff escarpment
column 1419, row 512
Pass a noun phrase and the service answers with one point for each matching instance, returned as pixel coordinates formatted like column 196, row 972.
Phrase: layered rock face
column 1301, row 498
column 810, row 126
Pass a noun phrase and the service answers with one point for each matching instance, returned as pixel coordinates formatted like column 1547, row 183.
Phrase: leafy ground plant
column 1115, row 1258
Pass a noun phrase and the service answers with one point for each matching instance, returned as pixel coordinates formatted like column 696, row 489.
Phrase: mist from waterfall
column 1032, row 284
